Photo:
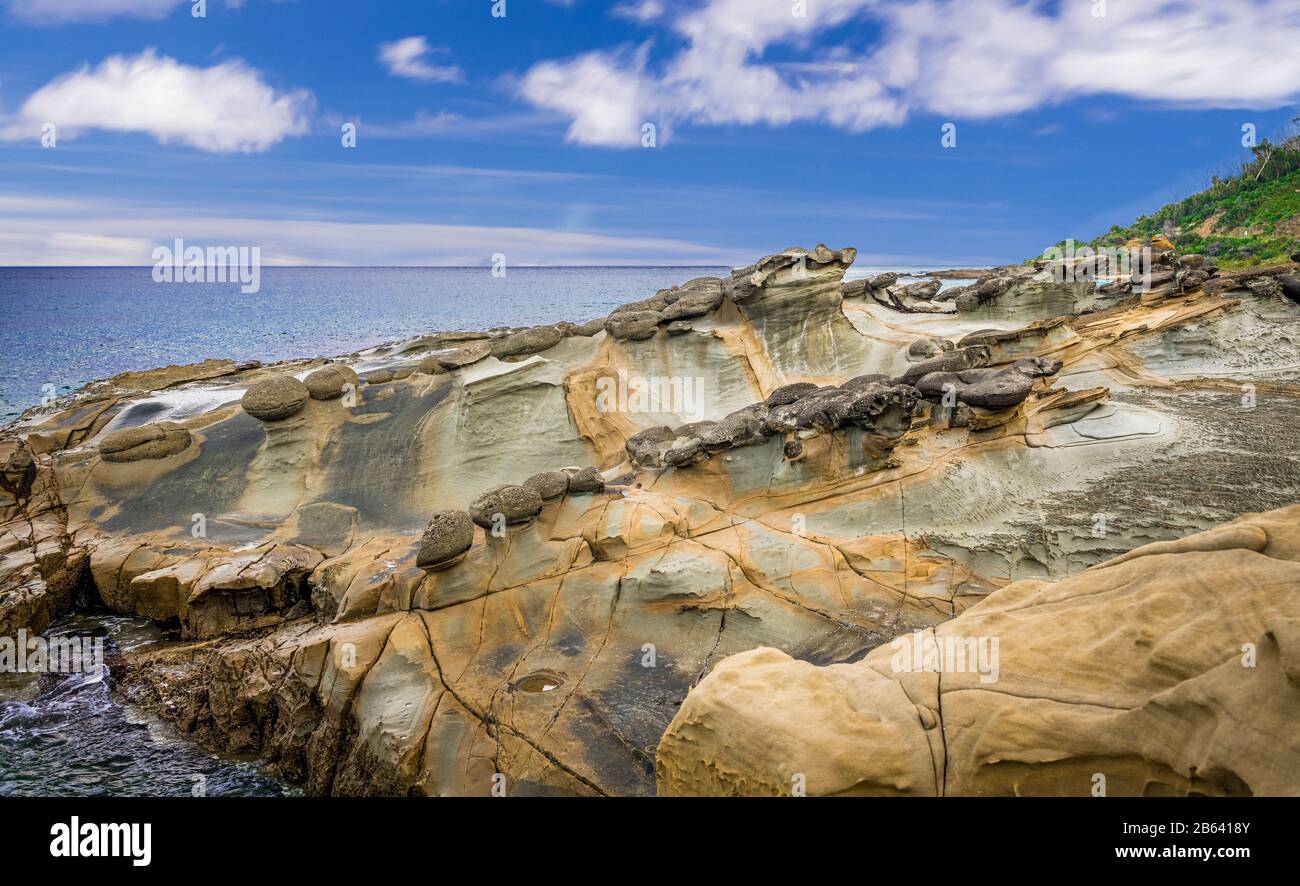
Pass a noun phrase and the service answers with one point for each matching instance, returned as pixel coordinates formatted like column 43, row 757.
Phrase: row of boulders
column 929, row 296
column 283, row 396
column 744, row 285
column 870, row 402
column 450, row 534
column 671, row 308
column 1280, row 283
column 877, row 404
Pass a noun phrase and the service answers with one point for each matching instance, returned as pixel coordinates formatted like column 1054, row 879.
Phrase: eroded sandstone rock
column 144, row 442
column 1022, row 695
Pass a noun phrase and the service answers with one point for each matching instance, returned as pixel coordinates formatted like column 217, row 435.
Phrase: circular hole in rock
column 542, row 681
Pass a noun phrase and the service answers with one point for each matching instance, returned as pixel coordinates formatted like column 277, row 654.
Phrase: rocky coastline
column 675, row 549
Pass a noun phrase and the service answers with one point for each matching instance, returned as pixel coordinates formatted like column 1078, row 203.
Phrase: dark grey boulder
column 695, row 428
column 861, row 381
column 924, row 348
column 740, row 428
column 782, row 419
column 923, row 291
column 678, row 327
column 696, row 301
column 884, row 281
column 740, row 287
column 991, row 289
column 379, row 376
column 590, row 328
column 633, row 325
column 790, row 393
column 515, row 503
column 275, row 398
column 448, row 535
column 684, row 451
column 985, row 388
column 1265, row 287
column 883, row 410
column 793, row 449
column 549, row 485
column 643, row 446
column 655, row 303
column 530, row 341
column 1037, row 367
column 586, row 481
column 824, row 411
column 1290, row 284
column 955, row 360
column 853, row 288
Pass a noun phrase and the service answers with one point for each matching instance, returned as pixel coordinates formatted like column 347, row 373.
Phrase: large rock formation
column 1173, row 669
column 754, row 462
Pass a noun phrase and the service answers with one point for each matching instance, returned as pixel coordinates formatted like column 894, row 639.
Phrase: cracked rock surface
column 710, row 537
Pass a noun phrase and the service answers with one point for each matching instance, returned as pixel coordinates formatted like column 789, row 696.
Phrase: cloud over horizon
column 972, row 59
column 42, row 231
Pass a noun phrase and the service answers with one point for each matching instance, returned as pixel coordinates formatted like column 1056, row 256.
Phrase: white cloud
column 639, row 10
column 409, row 57
column 65, row 11
column 224, row 109
column 959, row 58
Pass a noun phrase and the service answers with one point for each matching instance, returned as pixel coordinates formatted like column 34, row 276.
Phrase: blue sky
column 523, row 134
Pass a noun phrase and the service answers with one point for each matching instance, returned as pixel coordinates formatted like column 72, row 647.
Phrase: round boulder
column 276, row 398
column 530, row 341
column 633, row 325
column 448, row 535
column 586, row 481
column 329, row 382
column 516, row 504
column 590, row 328
column 549, row 485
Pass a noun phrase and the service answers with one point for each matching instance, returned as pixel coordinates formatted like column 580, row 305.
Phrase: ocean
column 64, row 327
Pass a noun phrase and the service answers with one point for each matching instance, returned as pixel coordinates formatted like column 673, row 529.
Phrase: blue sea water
column 69, row 326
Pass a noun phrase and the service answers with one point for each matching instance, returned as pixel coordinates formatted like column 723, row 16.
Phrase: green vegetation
column 1252, row 218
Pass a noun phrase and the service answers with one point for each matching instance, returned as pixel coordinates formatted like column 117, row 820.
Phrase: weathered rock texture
column 789, row 473
column 1171, row 670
